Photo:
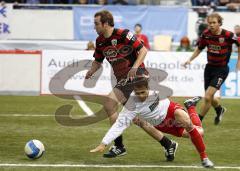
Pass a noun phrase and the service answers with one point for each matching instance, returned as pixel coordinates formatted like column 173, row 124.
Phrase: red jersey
column 120, row 50
column 144, row 39
column 219, row 47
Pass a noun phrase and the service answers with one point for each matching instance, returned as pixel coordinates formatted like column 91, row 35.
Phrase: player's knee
column 208, row 98
column 187, row 124
column 182, row 119
column 189, row 127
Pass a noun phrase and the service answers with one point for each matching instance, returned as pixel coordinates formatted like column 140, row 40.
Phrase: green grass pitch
column 71, row 145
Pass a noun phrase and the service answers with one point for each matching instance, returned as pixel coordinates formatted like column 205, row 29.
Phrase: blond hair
column 217, row 16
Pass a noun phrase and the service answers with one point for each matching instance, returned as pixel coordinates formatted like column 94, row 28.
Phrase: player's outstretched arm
column 100, row 148
column 123, row 122
column 195, row 54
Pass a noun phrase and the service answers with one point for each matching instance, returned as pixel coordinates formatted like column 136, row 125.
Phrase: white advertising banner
column 183, row 82
column 55, row 60
column 5, row 17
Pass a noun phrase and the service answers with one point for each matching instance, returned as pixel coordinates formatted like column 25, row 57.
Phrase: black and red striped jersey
column 120, row 49
column 219, row 47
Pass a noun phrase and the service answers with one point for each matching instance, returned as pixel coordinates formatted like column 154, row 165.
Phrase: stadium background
column 31, row 34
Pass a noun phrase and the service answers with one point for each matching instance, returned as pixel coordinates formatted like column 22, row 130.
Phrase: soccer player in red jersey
column 125, row 53
column 165, row 115
column 219, row 47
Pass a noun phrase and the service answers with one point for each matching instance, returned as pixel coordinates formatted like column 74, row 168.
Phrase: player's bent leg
column 148, row 128
column 170, row 146
column 207, row 102
column 183, row 119
column 200, row 130
column 111, row 105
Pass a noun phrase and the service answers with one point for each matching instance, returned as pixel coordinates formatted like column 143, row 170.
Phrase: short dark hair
column 139, row 82
column 106, row 17
column 138, row 25
column 216, row 15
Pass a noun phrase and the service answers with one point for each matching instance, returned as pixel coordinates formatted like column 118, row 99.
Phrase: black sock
column 218, row 109
column 118, row 141
column 200, row 117
column 165, row 142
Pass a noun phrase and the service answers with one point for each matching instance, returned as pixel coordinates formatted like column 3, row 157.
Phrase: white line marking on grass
column 83, row 105
column 110, row 166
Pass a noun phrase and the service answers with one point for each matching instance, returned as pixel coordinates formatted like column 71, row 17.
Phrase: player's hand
column 132, row 74
column 186, row 63
column 99, row 148
column 88, row 74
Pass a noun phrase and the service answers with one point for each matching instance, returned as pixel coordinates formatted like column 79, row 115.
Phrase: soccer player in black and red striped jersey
column 219, row 47
column 125, row 53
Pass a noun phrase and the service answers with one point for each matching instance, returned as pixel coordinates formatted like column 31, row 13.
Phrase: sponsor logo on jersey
column 110, row 52
column 154, row 104
column 114, row 42
column 114, row 53
column 214, row 47
column 221, row 39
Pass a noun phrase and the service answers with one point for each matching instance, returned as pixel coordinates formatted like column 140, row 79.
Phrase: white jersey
column 152, row 110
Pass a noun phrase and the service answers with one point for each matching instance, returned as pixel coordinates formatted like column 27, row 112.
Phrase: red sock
column 194, row 116
column 197, row 140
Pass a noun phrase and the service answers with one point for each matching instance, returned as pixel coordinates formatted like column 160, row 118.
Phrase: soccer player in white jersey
column 165, row 115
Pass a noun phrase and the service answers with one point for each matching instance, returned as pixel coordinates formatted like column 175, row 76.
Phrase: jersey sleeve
column 123, row 121
column 98, row 55
column 132, row 40
column 201, row 43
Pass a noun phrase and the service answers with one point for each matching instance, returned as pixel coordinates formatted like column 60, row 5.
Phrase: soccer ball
column 34, row 149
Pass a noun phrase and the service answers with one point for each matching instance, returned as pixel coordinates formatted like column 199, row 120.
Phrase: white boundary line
column 109, row 166
column 83, row 105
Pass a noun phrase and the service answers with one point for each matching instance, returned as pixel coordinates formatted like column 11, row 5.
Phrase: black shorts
column 127, row 88
column 215, row 76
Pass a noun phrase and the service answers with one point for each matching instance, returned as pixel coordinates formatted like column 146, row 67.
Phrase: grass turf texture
column 71, row 145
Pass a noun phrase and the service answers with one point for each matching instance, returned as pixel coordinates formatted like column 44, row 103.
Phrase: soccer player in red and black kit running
column 125, row 53
column 219, row 47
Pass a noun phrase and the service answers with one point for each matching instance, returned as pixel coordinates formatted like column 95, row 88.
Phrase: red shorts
column 169, row 124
